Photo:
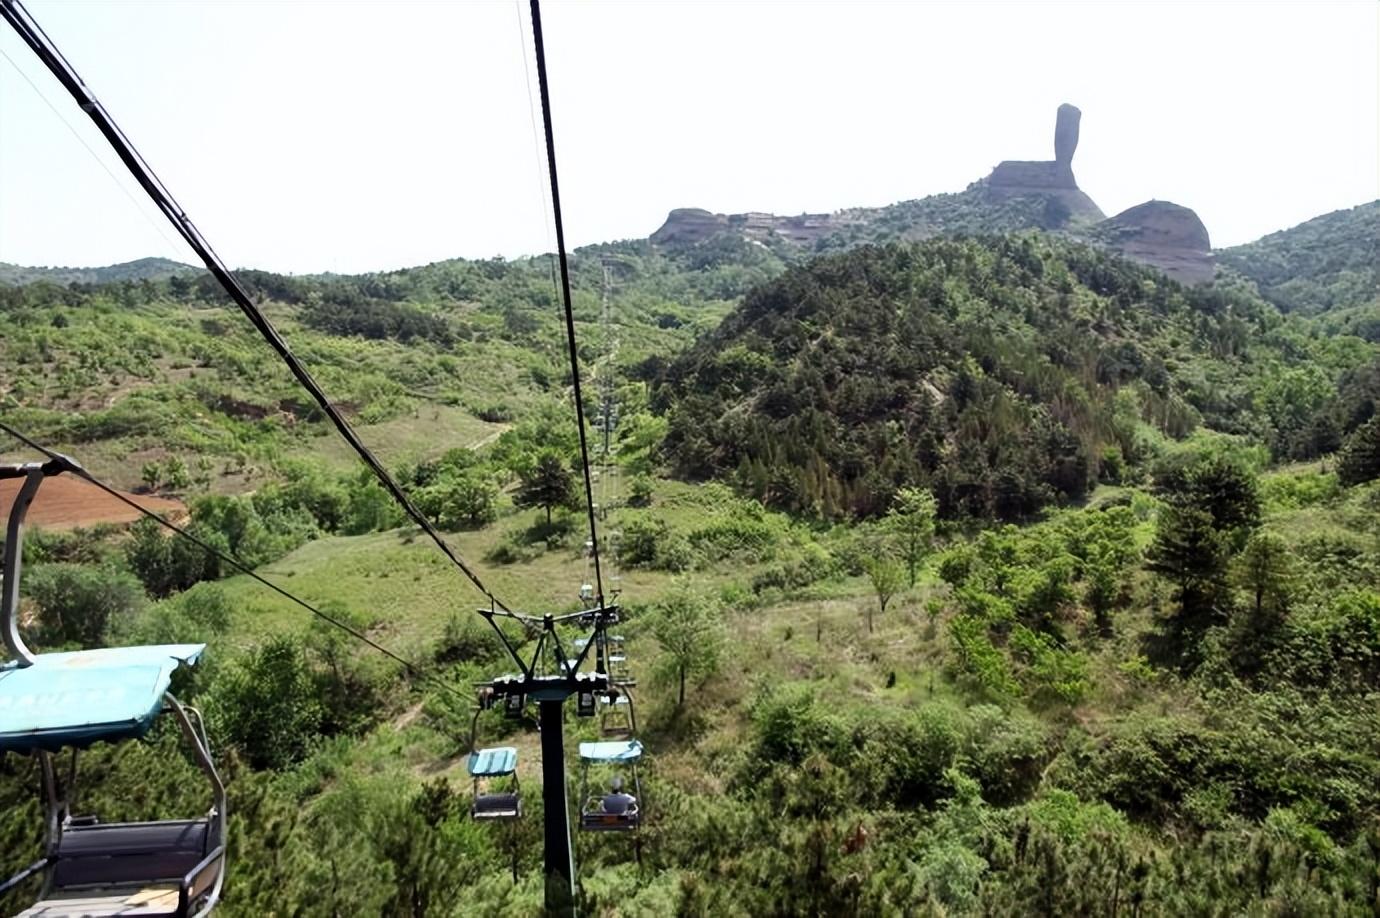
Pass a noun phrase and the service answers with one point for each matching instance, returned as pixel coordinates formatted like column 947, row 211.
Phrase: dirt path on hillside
column 489, row 438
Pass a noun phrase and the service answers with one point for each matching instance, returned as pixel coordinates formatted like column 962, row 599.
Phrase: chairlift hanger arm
column 488, row 616
column 54, row 466
column 26, row 872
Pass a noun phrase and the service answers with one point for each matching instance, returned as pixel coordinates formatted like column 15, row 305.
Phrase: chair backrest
column 119, row 853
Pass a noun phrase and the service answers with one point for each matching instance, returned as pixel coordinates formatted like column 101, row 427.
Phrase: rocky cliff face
column 689, row 226
column 692, row 225
column 1016, row 195
column 1165, row 235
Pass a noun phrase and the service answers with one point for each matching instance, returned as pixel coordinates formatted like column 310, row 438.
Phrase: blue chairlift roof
column 492, row 763
column 613, row 751
column 75, row 699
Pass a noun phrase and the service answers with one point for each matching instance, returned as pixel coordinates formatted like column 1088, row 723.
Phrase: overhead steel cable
column 33, row 35
column 69, row 465
column 565, row 293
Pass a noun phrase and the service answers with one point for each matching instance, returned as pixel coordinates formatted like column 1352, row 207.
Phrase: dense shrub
column 79, row 604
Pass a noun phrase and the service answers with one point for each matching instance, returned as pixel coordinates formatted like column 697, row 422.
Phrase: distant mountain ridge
column 1324, row 264
column 1016, row 195
column 137, row 270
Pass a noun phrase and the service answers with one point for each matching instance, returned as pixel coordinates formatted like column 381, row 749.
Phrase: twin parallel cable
column 33, row 35
column 68, row 465
column 565, row 293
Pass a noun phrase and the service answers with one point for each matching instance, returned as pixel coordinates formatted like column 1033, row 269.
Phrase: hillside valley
column 970, row 563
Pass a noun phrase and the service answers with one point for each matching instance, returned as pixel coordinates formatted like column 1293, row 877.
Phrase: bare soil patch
column 69, row 503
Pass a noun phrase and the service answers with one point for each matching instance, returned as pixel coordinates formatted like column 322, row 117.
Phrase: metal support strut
column 33, row 474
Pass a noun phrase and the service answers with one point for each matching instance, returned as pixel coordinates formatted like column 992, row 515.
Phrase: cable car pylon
column 552, row 675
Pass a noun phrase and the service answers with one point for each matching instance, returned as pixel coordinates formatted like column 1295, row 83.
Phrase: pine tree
column 547, row 485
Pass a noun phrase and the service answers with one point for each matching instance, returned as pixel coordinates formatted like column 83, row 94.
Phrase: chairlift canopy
column 615, row 751
column 493, row 763
column 78, row 698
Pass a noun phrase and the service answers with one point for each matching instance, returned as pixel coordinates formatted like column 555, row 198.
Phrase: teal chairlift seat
column 617, row 811
column 491, row 766
column 54, row 702
column 488, row 764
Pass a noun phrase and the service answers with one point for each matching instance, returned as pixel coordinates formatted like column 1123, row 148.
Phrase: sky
column 319, row 136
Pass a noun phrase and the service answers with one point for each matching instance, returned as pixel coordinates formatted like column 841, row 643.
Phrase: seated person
column 617, row 802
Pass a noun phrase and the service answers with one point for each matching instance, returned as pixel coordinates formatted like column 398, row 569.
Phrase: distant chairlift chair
column 617, row 718
column 608, row 812
column 57, row 701
column 620, row 673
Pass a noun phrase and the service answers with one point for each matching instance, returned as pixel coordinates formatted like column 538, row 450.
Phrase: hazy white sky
column 351, row 136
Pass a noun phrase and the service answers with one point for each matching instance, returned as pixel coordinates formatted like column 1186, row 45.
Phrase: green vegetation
column 138, row 270
column 1323, row 265
column 1031, row 583
column 1005, row 375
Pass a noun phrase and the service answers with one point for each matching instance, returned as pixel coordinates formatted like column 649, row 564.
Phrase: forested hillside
column 131, row 373
column 142, row 269
column 1006, row 374
column 982, row 576
column 1328, row 263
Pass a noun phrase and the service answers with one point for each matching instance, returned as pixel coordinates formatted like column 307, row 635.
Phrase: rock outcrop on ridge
column 1016, row 195
column 1164, row 235
column 1052, row 179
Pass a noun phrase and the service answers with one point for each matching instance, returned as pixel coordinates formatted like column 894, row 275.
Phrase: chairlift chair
column 617, row 718
column 54, row 702
column 619, row 671
column 69, row 701
column 490, row 764
column 487, row 767
column 610, row 812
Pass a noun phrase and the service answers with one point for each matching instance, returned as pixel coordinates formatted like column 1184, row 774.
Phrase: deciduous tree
column 911, row 521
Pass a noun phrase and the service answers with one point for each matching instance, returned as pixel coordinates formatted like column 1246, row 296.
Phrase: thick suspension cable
column 565, row 294
column 33, row 35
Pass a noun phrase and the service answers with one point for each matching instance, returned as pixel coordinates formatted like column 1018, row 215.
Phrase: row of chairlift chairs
column 493, row 770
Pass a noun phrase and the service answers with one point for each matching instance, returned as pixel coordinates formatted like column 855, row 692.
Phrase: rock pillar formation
column 1051, row 180
column 1066, row 136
